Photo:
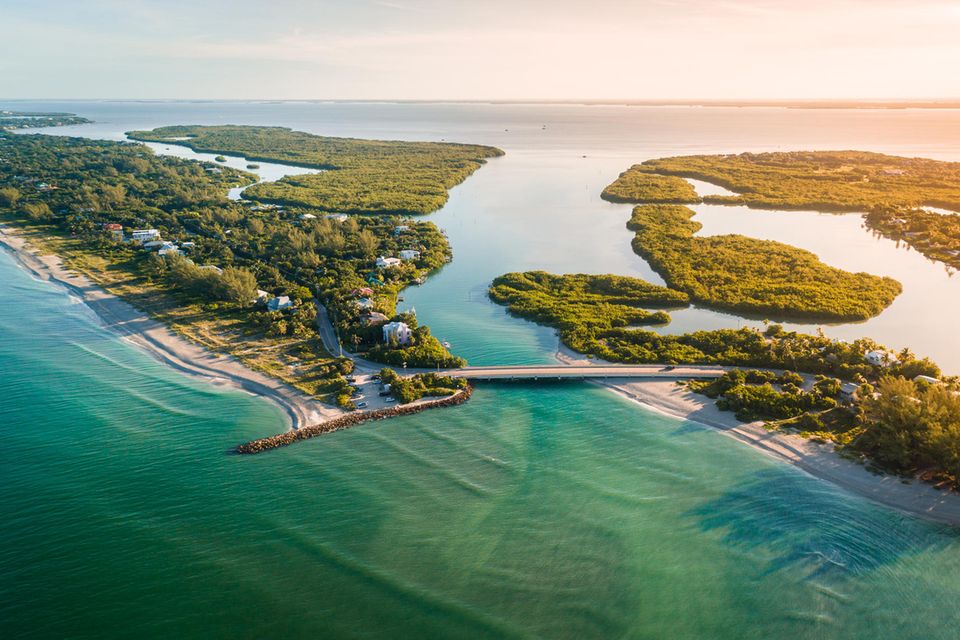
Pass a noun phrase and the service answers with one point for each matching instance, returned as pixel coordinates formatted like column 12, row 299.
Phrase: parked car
column 362, row 405
column 391, row 399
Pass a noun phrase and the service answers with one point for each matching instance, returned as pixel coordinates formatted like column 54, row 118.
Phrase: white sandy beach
column 817, row 459
column 162, row 343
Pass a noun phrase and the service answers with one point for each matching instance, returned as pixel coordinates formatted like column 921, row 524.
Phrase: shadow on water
column 808, row 524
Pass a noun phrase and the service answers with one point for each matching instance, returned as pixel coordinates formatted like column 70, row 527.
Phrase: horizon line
column 942, row 102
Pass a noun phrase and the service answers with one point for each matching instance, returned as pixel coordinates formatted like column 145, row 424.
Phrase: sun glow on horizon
column 428, row 49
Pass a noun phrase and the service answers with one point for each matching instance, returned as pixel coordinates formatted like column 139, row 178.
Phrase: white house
column 170, row 249
column 409, row 254
column 400, row 229
column 879, row 358
column 142, row 235
column 398, row 331
column 386, row 263
column 279, row 303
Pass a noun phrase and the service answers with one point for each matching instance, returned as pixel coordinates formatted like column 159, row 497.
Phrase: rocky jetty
column 349, row 420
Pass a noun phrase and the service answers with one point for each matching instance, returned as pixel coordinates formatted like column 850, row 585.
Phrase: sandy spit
column 817, row 459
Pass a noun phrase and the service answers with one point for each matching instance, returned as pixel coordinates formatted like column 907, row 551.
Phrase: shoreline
column 161, row 342
column 819, row 460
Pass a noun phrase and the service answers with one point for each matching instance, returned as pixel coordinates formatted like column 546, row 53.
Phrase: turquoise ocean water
column 553, row 511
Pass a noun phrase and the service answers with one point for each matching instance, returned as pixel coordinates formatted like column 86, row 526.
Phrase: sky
column 480, row 49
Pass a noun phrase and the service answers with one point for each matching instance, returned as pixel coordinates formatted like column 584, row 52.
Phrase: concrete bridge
column 545, row 372
column 584, row 372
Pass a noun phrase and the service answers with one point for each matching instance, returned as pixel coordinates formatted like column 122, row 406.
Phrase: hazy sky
column 498, row 49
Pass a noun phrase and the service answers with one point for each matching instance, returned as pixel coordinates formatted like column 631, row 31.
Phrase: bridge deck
column 579, row 372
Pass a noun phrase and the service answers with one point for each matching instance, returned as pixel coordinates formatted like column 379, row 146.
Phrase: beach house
column 373, row 317
column 144, row 235
column 880, row 358
column 279, row 303
column 409, row 254
column 169, row 248
column 397, row 332
column 387, row 263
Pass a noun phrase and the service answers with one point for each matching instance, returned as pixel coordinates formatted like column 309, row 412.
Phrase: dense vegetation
column 599, row 331
column 361, row 176
column 421, row 385
column 913, row 428
column 902, row 425
column 63, row 191
column 580, row 300
column 10, row 120
column 638, row 186
column 891, row 189
column 935, row 235
column 822, row 180
column 752, row 276
column 765, row 395
column 423, row 350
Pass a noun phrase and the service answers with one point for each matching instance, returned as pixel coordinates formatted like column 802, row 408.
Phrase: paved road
column 527, row 372
column 585, row 372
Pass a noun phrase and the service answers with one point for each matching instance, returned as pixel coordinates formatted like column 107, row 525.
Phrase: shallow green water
column 554, row 511
column 560, row 511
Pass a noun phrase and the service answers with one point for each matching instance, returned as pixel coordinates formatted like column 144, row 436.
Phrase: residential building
column 169, row 248
column 409, row 254
column 880, row 358
column 398, row 332
column 280, row 303
column 387, row 263
column 143, row 235
column 373, row 317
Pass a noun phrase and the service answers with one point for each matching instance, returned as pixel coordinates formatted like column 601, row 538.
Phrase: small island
column 891, row 191
column 359, row 177
column 10, row 120
column 747, row 275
